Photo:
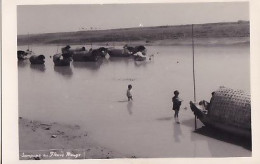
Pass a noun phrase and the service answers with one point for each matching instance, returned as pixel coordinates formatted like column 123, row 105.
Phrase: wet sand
column 40, row 140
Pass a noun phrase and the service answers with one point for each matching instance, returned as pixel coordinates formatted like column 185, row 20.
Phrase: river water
column 93, row 95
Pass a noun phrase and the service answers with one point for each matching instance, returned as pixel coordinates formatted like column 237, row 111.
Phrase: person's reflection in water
column 129, row 107
column 177, row 133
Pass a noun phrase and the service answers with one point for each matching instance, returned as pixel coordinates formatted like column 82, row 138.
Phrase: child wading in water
column 128, row 93
column 176, row 105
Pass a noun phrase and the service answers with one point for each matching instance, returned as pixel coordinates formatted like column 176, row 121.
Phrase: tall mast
column 193, row 65
column 28, row 42
column 193, row 69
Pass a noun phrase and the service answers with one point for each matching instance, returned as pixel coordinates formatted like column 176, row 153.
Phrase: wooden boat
column 119, row 53
column 126, row 51
column 21, row 55
column 80, row 55
column 135, row 49
column 228, row 110
column 140, row 58
column 91, row 55
column 59, row 60
column 140, row 48
column 37, row 59
column 68, row 49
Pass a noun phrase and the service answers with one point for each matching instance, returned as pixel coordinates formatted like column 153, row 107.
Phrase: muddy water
column 93, row 95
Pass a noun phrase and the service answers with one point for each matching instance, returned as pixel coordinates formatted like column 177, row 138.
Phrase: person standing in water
column 128, row 93
column 176, row 105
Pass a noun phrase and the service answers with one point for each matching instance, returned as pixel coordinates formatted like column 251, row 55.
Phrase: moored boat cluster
column 82, row 54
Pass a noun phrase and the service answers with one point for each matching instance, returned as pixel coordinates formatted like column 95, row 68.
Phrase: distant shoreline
column 178, row 42
column 204, row 34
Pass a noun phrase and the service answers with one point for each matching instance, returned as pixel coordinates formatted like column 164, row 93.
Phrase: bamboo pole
column 28, row 41
column 193, row 68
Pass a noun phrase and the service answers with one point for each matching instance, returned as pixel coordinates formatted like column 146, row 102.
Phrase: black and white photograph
column 162, row 80
column 134, row 80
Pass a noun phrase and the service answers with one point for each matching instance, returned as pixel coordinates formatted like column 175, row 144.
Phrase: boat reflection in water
column 87, row 65
column 22, row 63
column 64, row 71
column 38, row 67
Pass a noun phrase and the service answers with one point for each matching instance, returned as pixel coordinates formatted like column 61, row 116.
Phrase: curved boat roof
column 231, row 107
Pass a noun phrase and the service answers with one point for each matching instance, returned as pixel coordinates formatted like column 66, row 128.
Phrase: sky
column 65, row 18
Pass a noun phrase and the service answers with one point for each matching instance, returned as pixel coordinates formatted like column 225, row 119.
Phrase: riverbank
column 40, row 140
column 183, row 42
column 159, row 35
column 234, row 41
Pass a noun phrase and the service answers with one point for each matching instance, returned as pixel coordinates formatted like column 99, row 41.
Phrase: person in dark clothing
column 205, row 105
column 176, row 104
column 210, row 102
column 129, row 93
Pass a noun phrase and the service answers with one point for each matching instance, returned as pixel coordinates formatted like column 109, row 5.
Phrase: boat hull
column 207, row 121
column 59, row 61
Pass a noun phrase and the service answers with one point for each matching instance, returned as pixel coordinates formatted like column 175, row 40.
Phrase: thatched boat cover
column 231, row 107
column 82, row 53
column 56, row 57
column 119, row 52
